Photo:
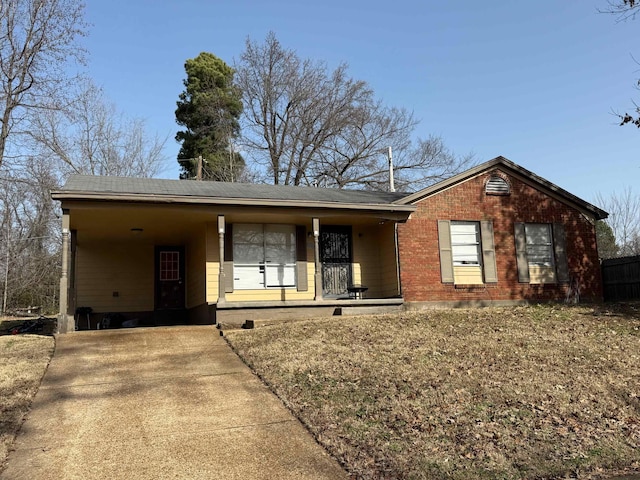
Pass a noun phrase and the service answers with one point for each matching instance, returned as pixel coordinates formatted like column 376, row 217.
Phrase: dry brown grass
column 527, row 392
column 23, row 361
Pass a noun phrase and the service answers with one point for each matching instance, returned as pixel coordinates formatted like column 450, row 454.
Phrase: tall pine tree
column 209, row 109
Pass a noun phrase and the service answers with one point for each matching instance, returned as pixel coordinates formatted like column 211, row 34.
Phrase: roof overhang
column 517, row 171
column 73, row 196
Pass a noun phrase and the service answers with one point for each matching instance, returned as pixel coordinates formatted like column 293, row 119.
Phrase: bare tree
column 38, row 41
column 624, row 220
column 30, row 237
column 623, row 9
column 91, row 137
column 306, row 124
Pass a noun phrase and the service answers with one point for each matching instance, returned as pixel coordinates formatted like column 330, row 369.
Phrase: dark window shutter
column 301, row 258
column 521, row 253
column 446, row 255
column 228, row 258
column 488, row 252
column 560, row 249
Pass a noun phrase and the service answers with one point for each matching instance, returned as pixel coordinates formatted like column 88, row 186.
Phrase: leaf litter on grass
column 526, row 392
column 23, row 361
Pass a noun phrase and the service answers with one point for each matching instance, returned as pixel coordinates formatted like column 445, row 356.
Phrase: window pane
column 281, row 275
column 538, row 234
column 169, row 266
column 248, row 234
column 276, row 254
column 280, row 244
column 264, row 256
column 465, row 243
column 248, row 278
column 539, row 245
column 539, row 254
column 248, row 244
column 245, row 254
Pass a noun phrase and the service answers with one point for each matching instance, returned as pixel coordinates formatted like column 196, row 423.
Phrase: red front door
column 169, row 278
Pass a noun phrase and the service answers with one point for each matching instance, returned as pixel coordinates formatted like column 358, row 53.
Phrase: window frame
column 549, row 245
column 262, row 265
column 487, row 266
column 477, row 244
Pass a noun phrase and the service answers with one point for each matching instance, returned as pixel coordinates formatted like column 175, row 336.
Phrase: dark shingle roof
column 189, row 188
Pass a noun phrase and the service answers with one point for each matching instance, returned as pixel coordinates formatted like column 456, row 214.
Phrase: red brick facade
column 467, row 200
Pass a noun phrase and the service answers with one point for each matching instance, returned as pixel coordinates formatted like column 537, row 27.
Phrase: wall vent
column 496, row 185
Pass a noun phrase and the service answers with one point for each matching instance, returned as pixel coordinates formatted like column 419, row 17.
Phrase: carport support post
column 221, row 277
column 316, row 250
column 64, row 322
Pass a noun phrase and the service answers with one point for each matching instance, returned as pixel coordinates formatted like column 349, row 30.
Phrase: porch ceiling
column 175, row 224
column 122, row 223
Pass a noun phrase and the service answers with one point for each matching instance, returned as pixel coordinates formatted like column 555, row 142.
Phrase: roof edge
column 62, row 195
column 582, row 205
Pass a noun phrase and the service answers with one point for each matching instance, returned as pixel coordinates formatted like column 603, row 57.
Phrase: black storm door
column 335, row 256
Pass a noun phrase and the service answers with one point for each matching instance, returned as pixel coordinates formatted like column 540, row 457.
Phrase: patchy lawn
column 508, row 393
column 23, row 361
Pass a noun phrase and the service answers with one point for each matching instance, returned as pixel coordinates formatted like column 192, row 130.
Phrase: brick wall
column 420, row 259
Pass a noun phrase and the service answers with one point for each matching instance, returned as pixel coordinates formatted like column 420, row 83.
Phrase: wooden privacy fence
column 621, row 279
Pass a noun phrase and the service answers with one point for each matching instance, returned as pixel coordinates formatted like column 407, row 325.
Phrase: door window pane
column 169, row 266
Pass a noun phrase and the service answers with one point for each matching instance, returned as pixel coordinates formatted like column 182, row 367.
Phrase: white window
column 539, row 244
column 264, row 256
column 465, row 243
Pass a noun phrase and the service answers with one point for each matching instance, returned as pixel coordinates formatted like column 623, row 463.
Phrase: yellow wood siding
column 374, row 263
column 467, row 274
column 196, row 270
column 104, row 268
column 541, row 274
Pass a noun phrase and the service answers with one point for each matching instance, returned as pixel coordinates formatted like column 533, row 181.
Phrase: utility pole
column 199, row 168
column 392, row 187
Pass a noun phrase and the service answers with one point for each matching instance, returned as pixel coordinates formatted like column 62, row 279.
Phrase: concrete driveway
column 159, row 403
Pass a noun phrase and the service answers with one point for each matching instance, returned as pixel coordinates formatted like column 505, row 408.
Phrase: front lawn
column 526, row 392
column 23, row 361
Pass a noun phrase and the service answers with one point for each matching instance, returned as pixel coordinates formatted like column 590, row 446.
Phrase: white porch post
column 65, row 323
column 318, row 266
column 221, row 275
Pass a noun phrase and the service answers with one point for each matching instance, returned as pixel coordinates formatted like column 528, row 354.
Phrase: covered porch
column 160, row 264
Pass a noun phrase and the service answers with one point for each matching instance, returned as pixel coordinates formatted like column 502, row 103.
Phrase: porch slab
column 234, row 314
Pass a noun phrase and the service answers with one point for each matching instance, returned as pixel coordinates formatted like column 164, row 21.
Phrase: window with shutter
column 264, row 256
column 467, row 253
column 541, row 253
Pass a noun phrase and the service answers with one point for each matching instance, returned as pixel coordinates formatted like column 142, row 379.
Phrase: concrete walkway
column 159, row 403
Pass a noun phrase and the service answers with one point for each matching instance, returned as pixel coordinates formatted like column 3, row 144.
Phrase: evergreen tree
column 209, row 109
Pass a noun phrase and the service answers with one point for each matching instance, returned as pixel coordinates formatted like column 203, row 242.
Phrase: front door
column 169, row 279
column 335, row 255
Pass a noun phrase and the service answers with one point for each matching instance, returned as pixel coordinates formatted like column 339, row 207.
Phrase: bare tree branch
column 38, row 41
column 91, row 137
column 624, row 219
column 307, row 125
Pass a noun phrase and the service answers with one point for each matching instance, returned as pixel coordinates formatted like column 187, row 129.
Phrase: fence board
column 621, row 279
